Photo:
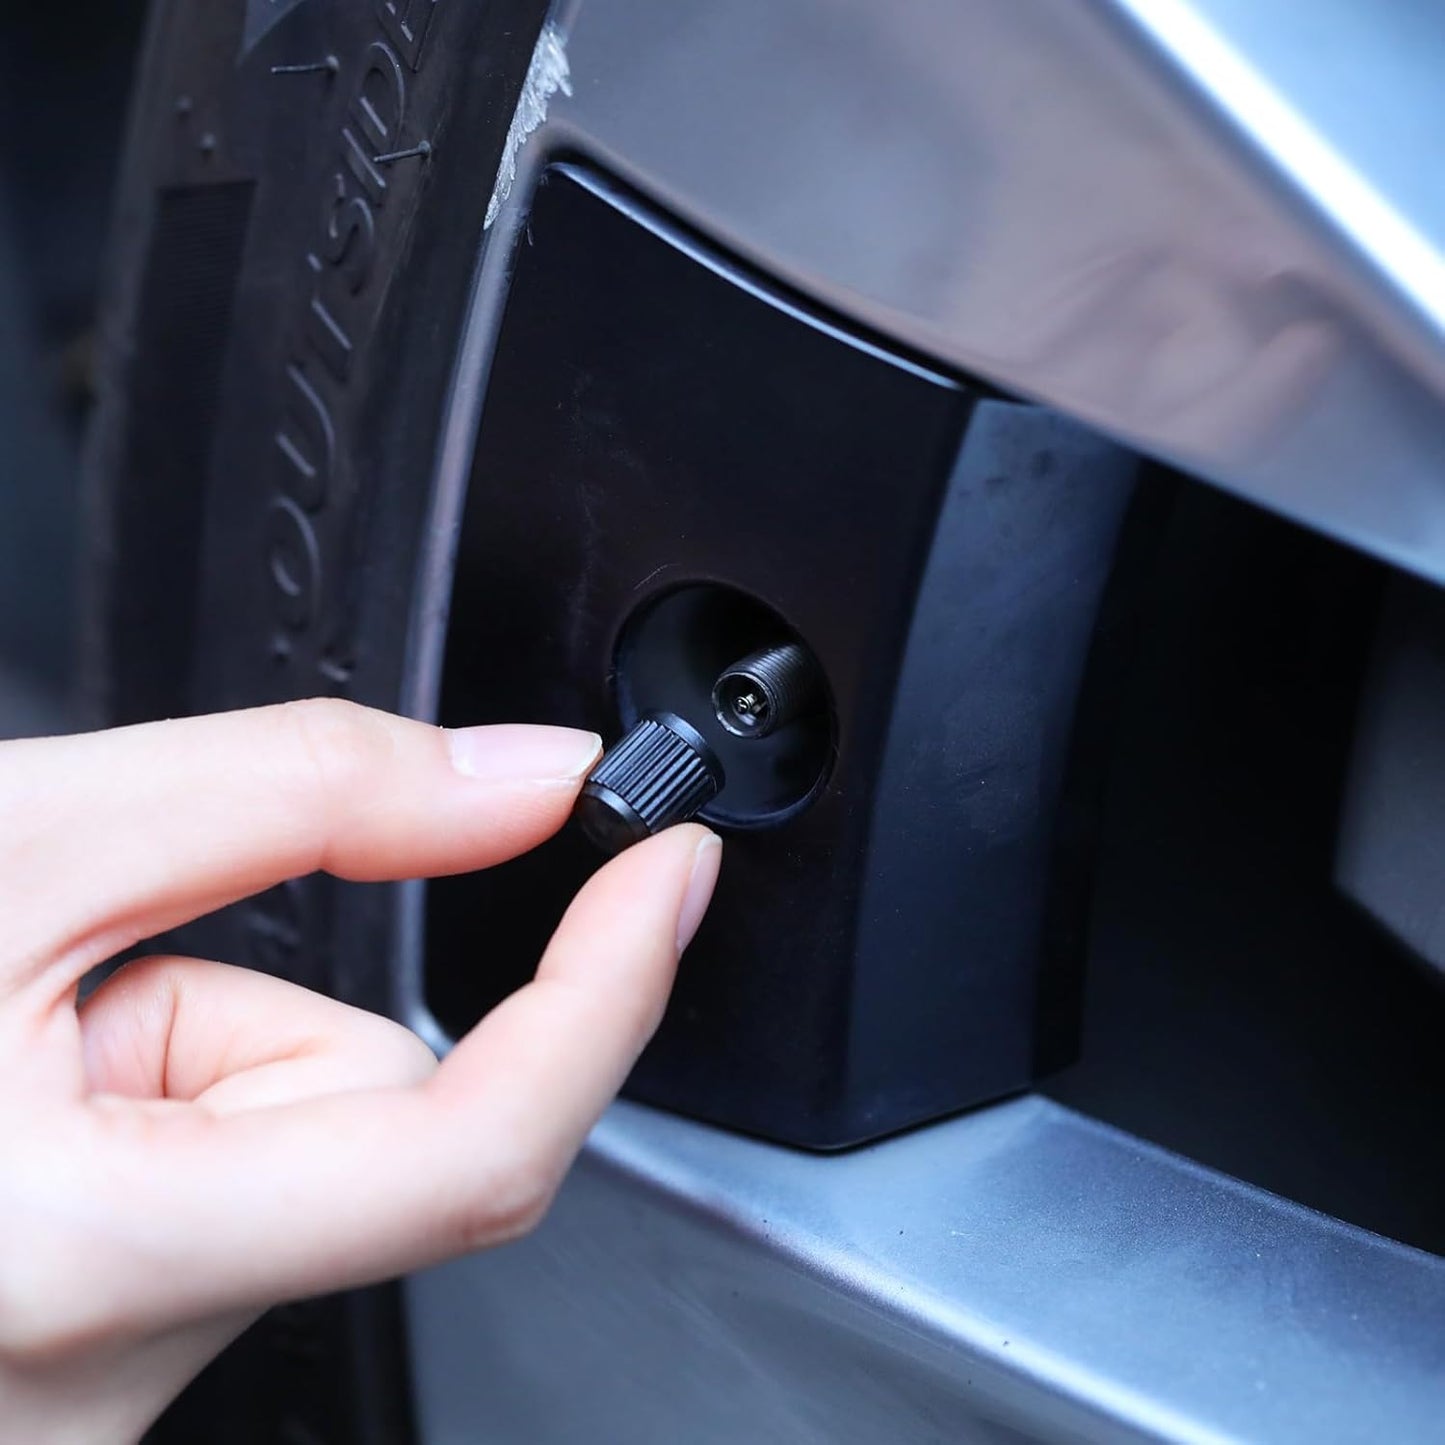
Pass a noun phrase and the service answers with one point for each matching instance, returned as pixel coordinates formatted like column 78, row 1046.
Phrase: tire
column 277, row 338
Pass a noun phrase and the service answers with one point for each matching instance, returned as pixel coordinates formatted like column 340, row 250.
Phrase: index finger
column 113, row 837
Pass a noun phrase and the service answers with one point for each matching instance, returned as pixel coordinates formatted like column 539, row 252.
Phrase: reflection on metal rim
column 1021, row 1273
column 1172, row 218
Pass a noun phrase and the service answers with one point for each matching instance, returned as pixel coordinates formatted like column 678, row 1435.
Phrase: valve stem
column 766, row 690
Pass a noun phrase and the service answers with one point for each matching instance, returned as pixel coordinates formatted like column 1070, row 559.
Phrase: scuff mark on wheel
column 546, row 75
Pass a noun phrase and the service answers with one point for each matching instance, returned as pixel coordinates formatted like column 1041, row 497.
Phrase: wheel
column 788, row 292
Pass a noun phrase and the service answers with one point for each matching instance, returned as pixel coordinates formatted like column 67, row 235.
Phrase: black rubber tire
column 281, row 301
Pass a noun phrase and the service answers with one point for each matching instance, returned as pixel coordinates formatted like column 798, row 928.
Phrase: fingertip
column 681, row 864
column 706, row 862
column 523, row 752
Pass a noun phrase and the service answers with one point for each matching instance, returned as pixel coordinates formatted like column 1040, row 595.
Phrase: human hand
column 197, row 1142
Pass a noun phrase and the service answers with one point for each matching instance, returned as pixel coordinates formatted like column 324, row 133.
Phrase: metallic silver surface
column 1211, row 227
column 1019, row 1274
column 1214, row 229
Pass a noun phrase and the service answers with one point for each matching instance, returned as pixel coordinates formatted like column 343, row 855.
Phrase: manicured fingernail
column 520, row 752
column 705, row 864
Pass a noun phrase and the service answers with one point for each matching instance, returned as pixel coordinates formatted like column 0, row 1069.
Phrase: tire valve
column 766, row 690
column 664, row 771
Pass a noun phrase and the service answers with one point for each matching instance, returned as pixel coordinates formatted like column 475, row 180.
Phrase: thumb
column 252, row 1207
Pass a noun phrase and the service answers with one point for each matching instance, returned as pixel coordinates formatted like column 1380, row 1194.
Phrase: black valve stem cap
column 659, row 773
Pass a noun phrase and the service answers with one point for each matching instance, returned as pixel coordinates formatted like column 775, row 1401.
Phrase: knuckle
column 341, row 745
column 46, row 1343
column 513, row 1201
column 47, row 1315
column 402, row 1056
column 154, row 977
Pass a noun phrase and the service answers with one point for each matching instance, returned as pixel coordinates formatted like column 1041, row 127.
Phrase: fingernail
column 521, row 752
column 705, row 864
